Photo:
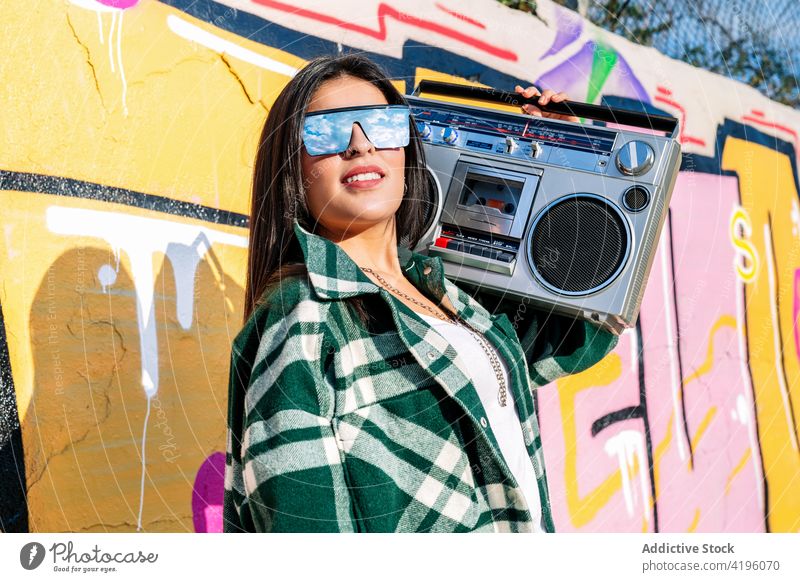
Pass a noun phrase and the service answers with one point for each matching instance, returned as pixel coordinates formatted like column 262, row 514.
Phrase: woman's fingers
column 558, row 98
column 544, row 98
column 532, row 110
column 529, row 92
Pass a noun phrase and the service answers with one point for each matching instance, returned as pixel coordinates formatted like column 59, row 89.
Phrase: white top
column 503, row 419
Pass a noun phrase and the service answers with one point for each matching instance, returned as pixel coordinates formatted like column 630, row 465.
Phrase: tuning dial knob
column 635, row 158
column 450, row 135
column 424, row 130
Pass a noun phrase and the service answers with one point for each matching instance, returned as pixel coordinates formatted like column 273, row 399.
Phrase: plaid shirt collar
column 334, row 275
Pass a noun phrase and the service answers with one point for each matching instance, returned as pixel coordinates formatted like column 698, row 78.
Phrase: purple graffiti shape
column 569, row 26
column 571, row 76
column 209, row 489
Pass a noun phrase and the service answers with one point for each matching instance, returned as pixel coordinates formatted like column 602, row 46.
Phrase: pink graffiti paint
column 771, row 124
column 121, row 4
column 460, row 16
column 584, row 456
column 207, row 495
column 706, row 291
column 796, row 313
column 704, row 497
column 664, row 96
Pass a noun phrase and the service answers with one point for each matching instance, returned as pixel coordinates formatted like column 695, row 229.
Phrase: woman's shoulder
column 281, row 345
column 281, row 305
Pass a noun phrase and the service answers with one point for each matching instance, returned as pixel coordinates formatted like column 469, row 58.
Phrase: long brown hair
column 279, row 194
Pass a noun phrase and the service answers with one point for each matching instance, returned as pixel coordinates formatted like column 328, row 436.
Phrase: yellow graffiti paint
column 660, row 450
column 695, row 520
column 708, row 363
column 767, row 189
column 704, row 424
column 584, row 508
column 193, row 115
column 739, row 466
column 76, row 361
column 164, row 116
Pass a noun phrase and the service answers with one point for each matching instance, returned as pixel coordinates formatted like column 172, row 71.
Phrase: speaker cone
column 578, row 244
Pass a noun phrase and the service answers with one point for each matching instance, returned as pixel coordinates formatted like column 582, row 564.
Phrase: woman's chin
column 371, row 205
column 369, row 215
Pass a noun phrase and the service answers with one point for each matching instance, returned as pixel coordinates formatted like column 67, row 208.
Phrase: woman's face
column 339, row 204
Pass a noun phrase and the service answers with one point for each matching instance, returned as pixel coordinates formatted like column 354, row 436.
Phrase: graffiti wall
column 129, row 131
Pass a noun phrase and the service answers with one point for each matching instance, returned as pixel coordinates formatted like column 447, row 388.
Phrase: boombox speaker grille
column 579, row 244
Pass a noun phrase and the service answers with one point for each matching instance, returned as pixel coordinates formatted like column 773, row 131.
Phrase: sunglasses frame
column 390, row 107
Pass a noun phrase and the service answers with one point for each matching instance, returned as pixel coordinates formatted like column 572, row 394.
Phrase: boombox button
column 507, row 257
column 442, row 242
column 455, row 245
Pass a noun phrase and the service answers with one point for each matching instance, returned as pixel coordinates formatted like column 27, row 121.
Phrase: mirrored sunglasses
column 328, row 131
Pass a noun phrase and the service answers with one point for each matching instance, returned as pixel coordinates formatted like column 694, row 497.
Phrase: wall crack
column 252, row 101
column 88, row 59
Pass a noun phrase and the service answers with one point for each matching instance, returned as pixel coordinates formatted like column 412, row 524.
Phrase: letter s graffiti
column 740, row 232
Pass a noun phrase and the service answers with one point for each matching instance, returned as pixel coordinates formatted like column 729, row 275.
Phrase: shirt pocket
column 406, row 465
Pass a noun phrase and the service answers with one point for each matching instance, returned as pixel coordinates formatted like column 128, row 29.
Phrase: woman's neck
column 374, row 247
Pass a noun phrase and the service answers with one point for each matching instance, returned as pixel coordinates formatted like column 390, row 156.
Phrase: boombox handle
column 606, row 113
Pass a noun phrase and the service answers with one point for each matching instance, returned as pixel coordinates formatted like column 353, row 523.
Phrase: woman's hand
column 546, row 97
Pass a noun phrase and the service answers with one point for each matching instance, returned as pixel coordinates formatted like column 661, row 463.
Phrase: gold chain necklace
column 482, row 341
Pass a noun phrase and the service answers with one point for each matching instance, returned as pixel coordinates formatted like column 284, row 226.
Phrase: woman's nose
column 359, row 142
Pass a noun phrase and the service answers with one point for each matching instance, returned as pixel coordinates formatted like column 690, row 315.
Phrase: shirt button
column 431, row 356
column 426, row 270
column 484, row 423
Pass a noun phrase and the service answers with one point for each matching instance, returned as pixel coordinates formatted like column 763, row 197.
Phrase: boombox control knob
column 450, row 135
column 536, row 149
column 424, row 130
column 635, row 158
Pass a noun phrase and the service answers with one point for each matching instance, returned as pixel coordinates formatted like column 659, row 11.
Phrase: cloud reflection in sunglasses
column 329, row 131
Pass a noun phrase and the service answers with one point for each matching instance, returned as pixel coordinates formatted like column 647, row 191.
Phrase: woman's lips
column 363, row 184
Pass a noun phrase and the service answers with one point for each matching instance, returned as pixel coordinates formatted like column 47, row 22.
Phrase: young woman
column 367, row 391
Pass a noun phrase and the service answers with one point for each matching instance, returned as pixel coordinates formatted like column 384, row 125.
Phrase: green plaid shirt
column 336, row 427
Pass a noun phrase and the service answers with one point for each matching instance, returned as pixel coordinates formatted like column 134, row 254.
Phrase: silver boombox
column 567, row 215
